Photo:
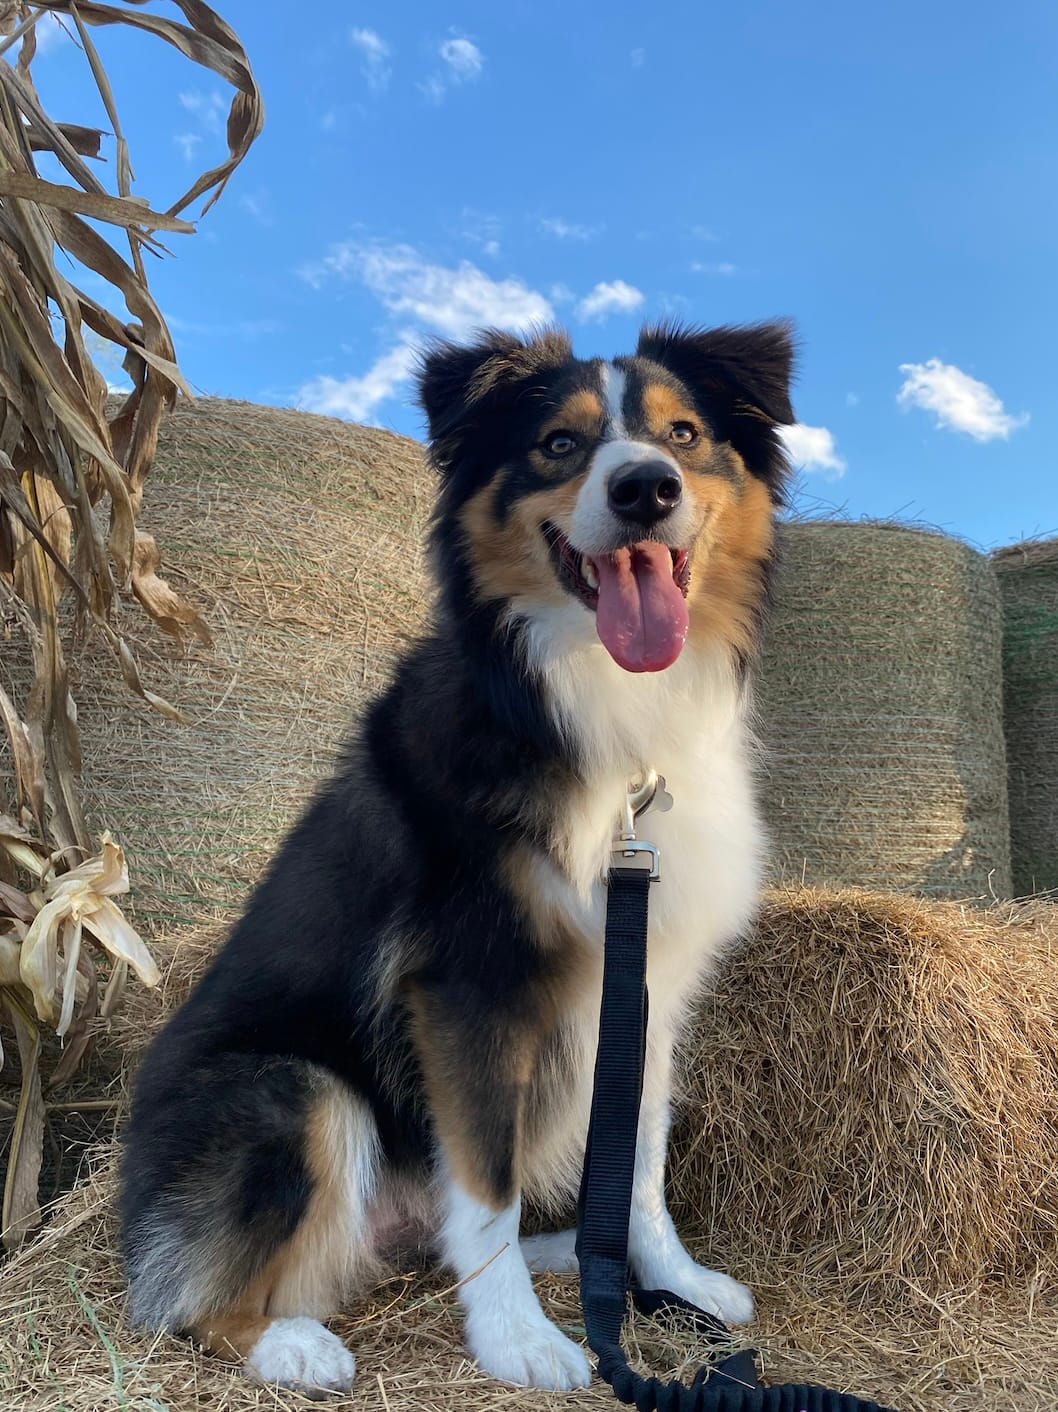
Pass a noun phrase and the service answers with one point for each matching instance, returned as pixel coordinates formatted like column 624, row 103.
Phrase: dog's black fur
column 386, row 957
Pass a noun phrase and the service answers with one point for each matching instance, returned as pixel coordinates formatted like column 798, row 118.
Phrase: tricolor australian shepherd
column 400, row 1032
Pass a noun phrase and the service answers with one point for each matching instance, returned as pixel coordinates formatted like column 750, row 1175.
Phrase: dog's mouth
column 637, row 593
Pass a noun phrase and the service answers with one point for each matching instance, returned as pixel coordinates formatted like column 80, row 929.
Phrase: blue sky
column 886, row 175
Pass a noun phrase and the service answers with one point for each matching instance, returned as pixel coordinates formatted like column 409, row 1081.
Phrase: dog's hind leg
column 276, row 1325
column 551, row 1252
column 249, row 1239
column 477, row 1064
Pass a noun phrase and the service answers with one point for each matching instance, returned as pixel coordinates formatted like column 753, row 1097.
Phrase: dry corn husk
column 72, row 902
column 71, row 486
column 48, row 978
column 72, row 478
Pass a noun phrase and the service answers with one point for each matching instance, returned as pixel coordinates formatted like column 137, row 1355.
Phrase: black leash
column 729, row 1384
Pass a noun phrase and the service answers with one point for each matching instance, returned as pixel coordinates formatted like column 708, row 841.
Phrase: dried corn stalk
column 49, row 933
column 71, row 485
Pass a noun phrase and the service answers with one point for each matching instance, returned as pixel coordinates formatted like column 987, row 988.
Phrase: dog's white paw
column 532, row 1353
column 552, row 1253
column 717, row 1294
column 303, row 1355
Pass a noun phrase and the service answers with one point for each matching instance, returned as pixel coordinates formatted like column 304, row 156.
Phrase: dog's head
column 635, row 497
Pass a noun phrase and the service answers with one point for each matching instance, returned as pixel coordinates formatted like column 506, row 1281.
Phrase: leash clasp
column 636, row 853
column 627, row 851
column 639, row 800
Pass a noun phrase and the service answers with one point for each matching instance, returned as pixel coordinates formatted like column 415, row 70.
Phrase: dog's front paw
column 717, row 1294
column 303, row 1355
column 532, row 1353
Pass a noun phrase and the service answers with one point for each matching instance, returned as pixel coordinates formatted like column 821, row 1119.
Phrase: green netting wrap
column 1028, row 585
column 880, row 699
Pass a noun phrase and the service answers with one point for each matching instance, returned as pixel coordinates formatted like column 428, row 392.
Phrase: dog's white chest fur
column 688, row 723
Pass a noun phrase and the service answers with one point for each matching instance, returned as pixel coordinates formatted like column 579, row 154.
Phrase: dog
column 396, row 1042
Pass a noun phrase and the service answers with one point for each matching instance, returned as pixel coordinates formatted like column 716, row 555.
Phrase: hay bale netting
column 874, row 1097
column 298, row 538
column 881, row 713
column 1028, row 587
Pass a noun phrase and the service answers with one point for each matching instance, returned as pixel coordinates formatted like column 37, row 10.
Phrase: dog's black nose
column 645, row 491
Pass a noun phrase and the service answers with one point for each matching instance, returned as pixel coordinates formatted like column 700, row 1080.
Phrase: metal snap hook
column 639, row 799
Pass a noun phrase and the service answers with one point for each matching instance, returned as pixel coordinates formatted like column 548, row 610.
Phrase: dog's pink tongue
column 642, row 614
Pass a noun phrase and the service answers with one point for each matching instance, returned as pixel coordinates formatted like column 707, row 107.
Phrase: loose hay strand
column 911, row 1301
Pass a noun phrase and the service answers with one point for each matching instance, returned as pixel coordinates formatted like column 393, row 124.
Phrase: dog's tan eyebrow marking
column 580, row 410
column 662, row 406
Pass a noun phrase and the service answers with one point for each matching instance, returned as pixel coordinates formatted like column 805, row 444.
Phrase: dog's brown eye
column 683, row 433
column 559, row 443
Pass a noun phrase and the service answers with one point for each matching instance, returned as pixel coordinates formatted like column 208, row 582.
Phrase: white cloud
column 209, row 108
column 463, row 62
column 959, row 402
column 210, row 114
column 257, row 205
column 718, row 267
column 248, row 329
column 49, row 32
column 464, row 59
column 107, row 358
column 187, row 142
column 375, row 52
column 565, row 230
column 432, row 87
column 813, row 449
column 482, row 229
column 616, row 297
column 355, row 398
column 452, row 301
column 675, row 305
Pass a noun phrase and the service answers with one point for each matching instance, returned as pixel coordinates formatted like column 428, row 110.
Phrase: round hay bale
column 1028, row 587
column 880, row 703
column 298, row 539
column 873, row 1097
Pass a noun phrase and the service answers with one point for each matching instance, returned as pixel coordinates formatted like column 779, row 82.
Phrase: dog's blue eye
column 683, row 433
column 559, row 443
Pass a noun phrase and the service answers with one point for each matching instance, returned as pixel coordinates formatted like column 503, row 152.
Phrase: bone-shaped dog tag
column 662, row 800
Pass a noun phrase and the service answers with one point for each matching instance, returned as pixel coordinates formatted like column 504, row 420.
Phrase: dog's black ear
column 742, row 377
column 462, row 385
